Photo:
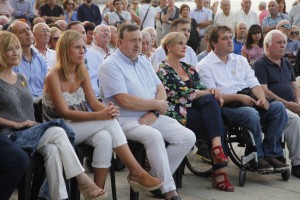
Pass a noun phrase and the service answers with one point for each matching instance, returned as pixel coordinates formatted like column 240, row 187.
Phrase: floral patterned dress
column 180, row 93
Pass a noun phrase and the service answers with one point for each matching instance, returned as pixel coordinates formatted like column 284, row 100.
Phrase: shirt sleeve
column 206, row 74
column 260, row 72
column 112, row 80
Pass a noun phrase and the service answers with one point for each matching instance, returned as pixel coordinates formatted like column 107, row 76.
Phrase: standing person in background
column 270, row 22
column 194, row 40
column 226, row 17
column 282, row 7
column 158, row 20
column 147, row 14
column 294, row 15
column 70, row 14
column 239, row 39
column 246, row 15
column 213, row 7
column 203, row 17
column 253, row 46
column 168, row 14
column 6, row 9
column 135, row 7
column 50, row 11
column 263, row 11
column 23, row 9
column 89, row 12
column 119, row 16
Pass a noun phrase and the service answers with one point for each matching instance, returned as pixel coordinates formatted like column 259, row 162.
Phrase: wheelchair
column 241, row 150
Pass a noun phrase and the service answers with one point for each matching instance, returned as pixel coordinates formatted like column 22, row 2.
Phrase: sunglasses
column 135, row 3
column 295, row 33
column 55, row 39
column 286, row 26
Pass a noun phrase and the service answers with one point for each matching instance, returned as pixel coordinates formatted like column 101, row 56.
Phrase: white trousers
column 163, row 160
column 103, row 135
column 58, row 154
column 292, row 137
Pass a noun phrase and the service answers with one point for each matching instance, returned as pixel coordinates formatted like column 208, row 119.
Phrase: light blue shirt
column 23, row 9
column 269, row 21
column 200, row 16
column 93, row 61
column 73, row 18
column 35, row 73
column 118, row 74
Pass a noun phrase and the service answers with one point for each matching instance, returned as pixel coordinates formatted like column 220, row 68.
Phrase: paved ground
column 257, row 187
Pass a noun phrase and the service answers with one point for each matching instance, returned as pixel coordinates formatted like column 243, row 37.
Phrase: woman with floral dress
column 193, row 105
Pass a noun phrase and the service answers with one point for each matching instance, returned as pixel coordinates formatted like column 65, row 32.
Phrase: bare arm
column 204, row 24
column 135, row 18
column 53, row 87
column 296, row 91
column 5, row 123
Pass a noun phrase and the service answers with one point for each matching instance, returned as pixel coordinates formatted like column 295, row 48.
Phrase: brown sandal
column 145, row 183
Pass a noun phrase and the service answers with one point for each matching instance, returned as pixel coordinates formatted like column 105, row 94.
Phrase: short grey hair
column 263, row 4
column 269, row 37
column 224, row 1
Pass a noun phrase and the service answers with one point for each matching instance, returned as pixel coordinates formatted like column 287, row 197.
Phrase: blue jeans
column 275, row 118
column 13, row 164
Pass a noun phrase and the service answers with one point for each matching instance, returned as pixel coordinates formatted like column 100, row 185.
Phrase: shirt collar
column 216, row 59
column 124, row 57
column 269, row 62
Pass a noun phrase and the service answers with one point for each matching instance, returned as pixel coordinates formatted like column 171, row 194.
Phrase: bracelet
column 155, row 112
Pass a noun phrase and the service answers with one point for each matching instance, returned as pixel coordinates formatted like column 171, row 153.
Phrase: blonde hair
column 64, row 42
column 8, row 40
column 172, row 38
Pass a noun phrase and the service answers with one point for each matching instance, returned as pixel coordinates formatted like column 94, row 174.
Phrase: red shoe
column 223, row 185
column 219, row 158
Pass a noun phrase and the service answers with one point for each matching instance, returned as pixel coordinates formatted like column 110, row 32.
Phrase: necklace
column 71, row 77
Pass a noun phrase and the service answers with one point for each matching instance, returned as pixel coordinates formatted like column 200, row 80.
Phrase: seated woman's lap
column 204, row 117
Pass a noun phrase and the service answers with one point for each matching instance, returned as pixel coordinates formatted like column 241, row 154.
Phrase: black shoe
column 263, row 165
column 203, row 152
column 158, row 194
column 88, row 165
column 296, row 171
column 278, row 166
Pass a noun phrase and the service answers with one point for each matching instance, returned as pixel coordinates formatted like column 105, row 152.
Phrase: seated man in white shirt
column 102, row 37
column 41, row 33
column 226, row 17
column 183, row 26
column 231, row 73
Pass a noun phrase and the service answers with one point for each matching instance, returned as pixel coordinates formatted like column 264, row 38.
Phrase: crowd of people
column 150, row 72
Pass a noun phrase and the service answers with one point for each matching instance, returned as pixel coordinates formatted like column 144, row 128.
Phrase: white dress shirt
column 224, row 20
column 249, row 19
column 229, row 77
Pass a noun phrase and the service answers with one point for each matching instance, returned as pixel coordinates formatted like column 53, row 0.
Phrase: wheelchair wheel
column 242, row 177
column 236, row 145
column 198, row 163
column 286, row 175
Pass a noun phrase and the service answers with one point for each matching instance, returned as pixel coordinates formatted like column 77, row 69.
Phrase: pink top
column 253, row 54
column 262, row 15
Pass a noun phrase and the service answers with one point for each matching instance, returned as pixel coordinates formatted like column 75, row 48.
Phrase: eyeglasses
column 135, row 3
column 286, row 26
column 55, row 39
column 294, row 32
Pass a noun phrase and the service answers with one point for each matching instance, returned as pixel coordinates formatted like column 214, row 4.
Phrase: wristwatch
column 155, row 112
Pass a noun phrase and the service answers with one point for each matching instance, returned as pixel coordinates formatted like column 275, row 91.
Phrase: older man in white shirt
column 226, row 17
column 102, row 37
column 246, row 15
